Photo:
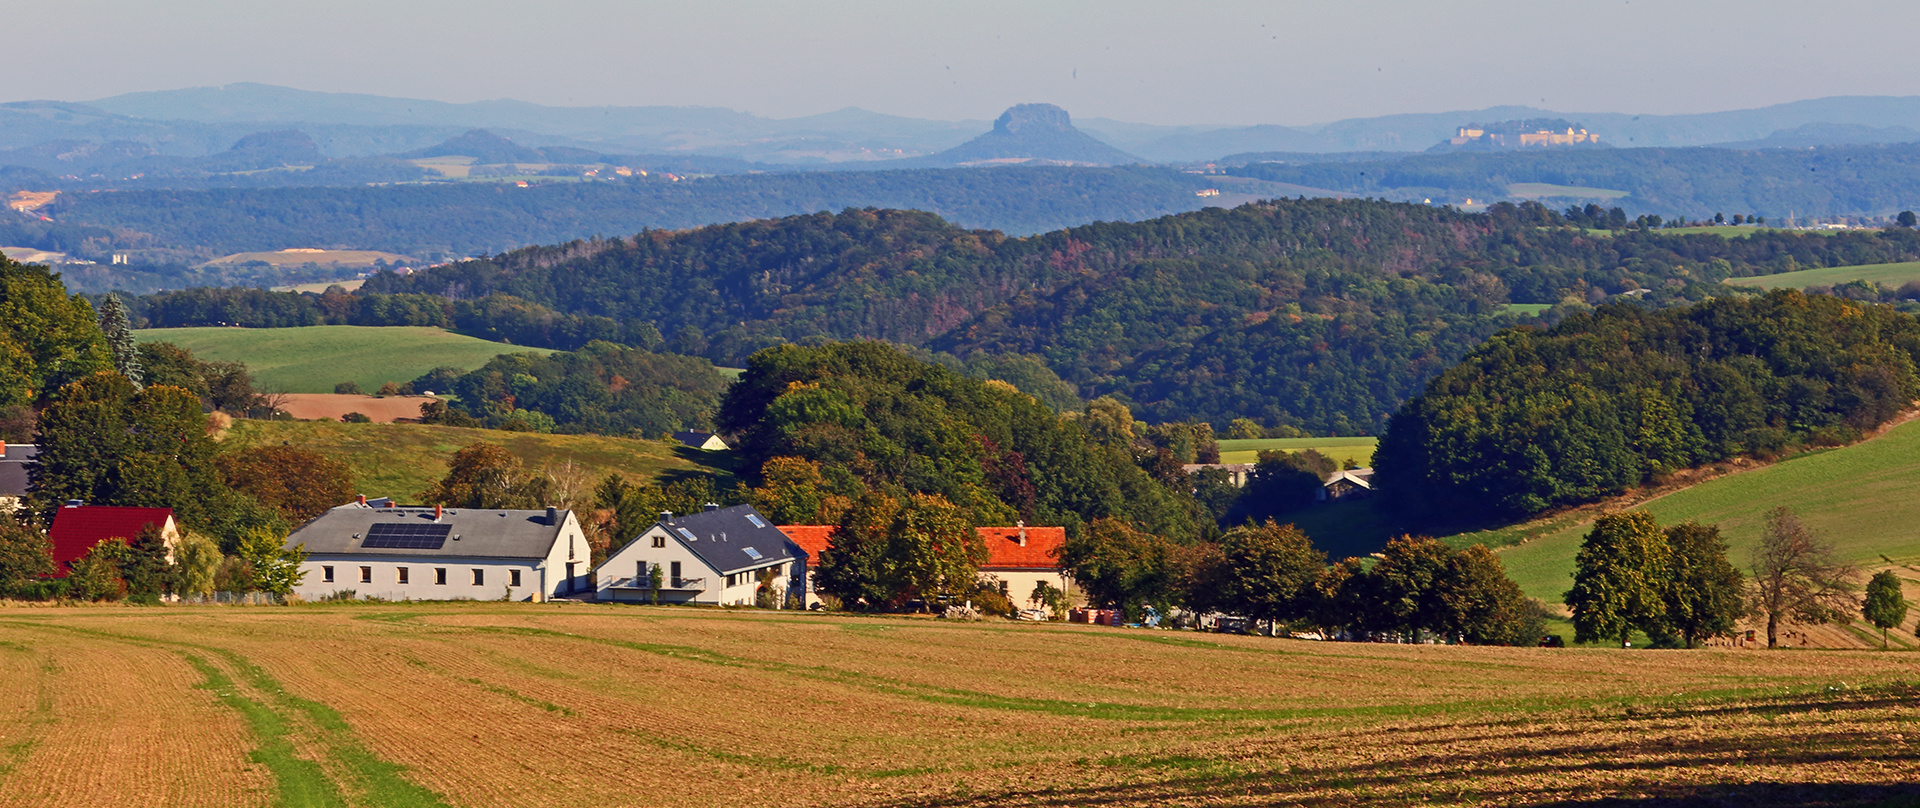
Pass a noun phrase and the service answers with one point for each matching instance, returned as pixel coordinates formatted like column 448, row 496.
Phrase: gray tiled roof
column 13, row 468
column 475, row 533
column 723, row 537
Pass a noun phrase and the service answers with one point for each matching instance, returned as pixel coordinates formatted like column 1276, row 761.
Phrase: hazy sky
column 1154, row 62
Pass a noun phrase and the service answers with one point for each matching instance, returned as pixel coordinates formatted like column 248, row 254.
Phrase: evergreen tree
column 1886, row 605
column 120, row 342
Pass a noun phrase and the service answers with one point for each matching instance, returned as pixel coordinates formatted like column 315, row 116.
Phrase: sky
column 1228, row 62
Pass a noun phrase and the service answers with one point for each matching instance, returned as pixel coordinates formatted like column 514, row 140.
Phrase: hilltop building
column 1522, row 134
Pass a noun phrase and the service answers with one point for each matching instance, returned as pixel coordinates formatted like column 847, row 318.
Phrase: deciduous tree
column 1797, row 578
column 1270, row 572
column 1704, row 593
column 25, row 555
column 1618, row 578
column 486, row 475
column 297, row 483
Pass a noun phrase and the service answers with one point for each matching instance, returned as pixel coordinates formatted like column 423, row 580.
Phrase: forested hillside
column 1603, row 402
column 1692, row 182
column 1319, row 314
column 466, row 219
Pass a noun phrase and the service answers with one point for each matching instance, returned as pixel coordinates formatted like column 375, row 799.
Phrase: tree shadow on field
column 1498, row 762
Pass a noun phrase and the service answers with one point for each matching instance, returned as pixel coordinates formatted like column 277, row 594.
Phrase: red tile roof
column 77, row 529
column 1004, row 550
column 811, row 538
column 1003, row 545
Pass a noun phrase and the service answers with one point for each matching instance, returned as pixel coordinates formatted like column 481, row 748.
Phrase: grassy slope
column 313, row 359
column 1859, row 497
column 400, row 460
column 1885, row 274
column 1358, row 450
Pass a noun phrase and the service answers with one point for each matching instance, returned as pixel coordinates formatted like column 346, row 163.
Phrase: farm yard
column 479, row 704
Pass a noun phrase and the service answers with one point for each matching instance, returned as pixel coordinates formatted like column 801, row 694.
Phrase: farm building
column 712, row 557
column 421, row 553
column 701, row 440
column 77, row 528
column 13, row 473
column 1018, row 557
column 1348, row 484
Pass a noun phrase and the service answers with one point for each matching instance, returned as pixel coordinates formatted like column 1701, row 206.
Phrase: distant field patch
column 1528, row 308
column 400, row 460
column 302, row 256
column 322, row 286
column 1536, row 190
column 1343, row 450
column 313, row 359
column 1894, row 275
column 330, row 406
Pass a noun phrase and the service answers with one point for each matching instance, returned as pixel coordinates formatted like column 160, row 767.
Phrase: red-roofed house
column 77, row 528
column 1017, row 557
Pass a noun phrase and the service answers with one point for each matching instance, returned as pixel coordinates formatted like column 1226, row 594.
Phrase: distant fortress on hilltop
column 1522, row 134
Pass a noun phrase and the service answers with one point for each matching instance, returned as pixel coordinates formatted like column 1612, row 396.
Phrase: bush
column 348, row 389
column 355, row 418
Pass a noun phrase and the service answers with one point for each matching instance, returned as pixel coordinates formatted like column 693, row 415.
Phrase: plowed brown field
column 522, row 704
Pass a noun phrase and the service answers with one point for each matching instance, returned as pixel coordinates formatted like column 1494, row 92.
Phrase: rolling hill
column 399, row 460
column 312, row 359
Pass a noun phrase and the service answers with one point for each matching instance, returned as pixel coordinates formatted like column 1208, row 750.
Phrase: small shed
column 707, row 441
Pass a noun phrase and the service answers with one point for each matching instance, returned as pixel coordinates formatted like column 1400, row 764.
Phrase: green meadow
column 1894, row 275
column 1358, row 451
column 312, row 359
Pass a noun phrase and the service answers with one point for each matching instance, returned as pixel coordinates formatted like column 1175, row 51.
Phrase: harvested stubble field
column 519, row 704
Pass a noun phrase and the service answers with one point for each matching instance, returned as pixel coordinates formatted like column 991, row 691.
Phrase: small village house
column 714, row 557
column 77, row 528
column 1346, row 484
column 433, row 553
column 1018, row 557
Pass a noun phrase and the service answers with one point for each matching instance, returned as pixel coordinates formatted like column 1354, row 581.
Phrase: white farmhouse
column 714, row 557
column 422, row 553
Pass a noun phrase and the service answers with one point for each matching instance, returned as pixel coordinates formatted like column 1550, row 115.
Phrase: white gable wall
column 619, row 577
column 539, row 579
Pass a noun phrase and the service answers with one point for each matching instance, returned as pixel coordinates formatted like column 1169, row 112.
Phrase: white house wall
column 621, row 567
column 384, row 569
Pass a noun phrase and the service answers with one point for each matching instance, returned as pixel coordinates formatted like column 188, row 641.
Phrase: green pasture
column 1528, row 308
column 1894, row 275
column 400, row 460
column 1542, row 189
column 312, row 359
column 1359, row 451
column 1861, row 498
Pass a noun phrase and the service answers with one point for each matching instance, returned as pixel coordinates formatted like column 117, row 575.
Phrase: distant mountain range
column 208, row 120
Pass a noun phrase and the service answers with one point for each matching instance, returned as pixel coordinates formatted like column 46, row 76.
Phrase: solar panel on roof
column 756, row 521
column 687, row 533
column 751, row 553
column 404, row 536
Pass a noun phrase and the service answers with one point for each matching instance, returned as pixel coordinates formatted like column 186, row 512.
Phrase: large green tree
column 1270, row 571
column 1704, row 592
column 487, row 475
column 1618, row 578
column 105, row 443
column 1485, row 606
column 47, row 337
column 121, row 345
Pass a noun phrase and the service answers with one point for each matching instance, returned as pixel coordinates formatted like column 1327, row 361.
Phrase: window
column 659, row 539
column 479, row 577
column 440, row 576
column 513, row 577
column 676, row 575
column 639, row 570
column 326, row 574
column 756, row 521
column 366, row 575
column 400, row 574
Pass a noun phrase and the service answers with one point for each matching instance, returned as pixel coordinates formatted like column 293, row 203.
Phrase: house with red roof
column 1018, row 558
column 77, row 528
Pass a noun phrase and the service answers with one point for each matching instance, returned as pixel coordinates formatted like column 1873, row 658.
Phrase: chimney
column 713, row 506
column 362, row 499
column 436, row 513
column 553, row 515
column 1022, row 524
column 666, row 516
column 390, row 503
